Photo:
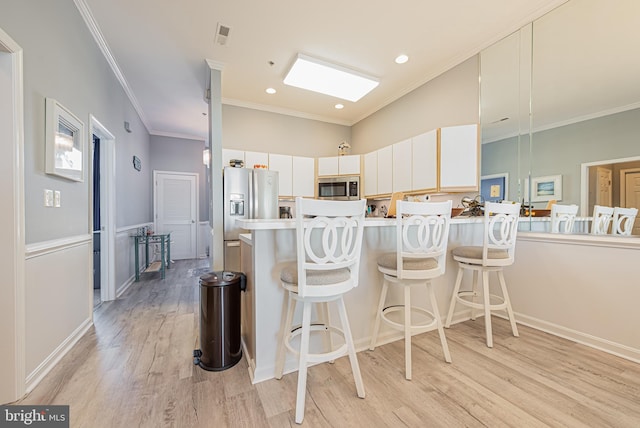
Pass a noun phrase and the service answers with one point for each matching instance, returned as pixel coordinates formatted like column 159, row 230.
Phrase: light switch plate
column 56, row 199
column 48, row 198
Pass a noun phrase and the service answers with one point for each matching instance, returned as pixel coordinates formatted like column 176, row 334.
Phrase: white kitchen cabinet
column 370, row 174
column 255, row 158
column 459, row 158
column 284, row 165
column 424, row 161
column 304, row 176
column 349, row 165
column 228, row 154
column 385, row 174
column 328, row 166
column 401, row 171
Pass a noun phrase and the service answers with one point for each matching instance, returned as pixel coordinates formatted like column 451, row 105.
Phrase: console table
column 164, row 239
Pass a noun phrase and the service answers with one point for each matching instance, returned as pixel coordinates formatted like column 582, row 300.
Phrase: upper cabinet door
column 304, row 176
column 255, row 158
column 424, row 161
column 228, row 154
column 349, row 164
column 402, row 166
column 328, row 166
column 370, row 174
column 459, row 158
column 283, row 164
column 385, row 174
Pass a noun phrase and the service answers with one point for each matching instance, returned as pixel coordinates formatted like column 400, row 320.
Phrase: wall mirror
column 585, row 106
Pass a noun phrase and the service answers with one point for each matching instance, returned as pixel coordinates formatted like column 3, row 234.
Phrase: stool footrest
column 322, row 357
column 494, row 306
column 413, row 327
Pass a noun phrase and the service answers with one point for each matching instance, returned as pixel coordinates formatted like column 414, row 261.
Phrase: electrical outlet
column 56, row 199
column 48, row 198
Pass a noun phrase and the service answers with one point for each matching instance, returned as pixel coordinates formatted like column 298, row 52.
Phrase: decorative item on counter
column 236, row 163
column 383, row 211
column 260, row 166
column 473, row 206
column 344, row 148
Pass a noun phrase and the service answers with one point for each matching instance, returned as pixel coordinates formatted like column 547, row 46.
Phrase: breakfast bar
column 576, row 297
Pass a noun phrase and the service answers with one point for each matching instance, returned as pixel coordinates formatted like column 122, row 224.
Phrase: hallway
column 134, row 368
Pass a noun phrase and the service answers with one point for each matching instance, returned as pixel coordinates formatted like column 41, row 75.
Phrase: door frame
column 107, row 208
column 623, row 184
column 155, row 201
column 584, row 180
column 14, row 206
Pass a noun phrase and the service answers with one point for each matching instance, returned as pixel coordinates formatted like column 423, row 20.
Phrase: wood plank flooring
column 135, row 369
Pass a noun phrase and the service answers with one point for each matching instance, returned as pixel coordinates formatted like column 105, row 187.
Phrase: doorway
column 630, row 193
column 176, row 211
column 12, row 246
column 106, row 206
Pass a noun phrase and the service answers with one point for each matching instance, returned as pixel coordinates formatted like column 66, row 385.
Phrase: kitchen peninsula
column 572, row 298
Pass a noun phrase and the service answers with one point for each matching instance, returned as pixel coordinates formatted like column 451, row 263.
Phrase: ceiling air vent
column 222, row 34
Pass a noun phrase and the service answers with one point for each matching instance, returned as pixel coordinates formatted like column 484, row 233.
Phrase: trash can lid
column 220, row 278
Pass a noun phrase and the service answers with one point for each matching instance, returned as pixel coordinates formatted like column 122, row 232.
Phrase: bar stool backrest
column 601, row 219
column 329, row 242
column 563, row 217
column 422, row 232
column 623, row 219
column 500, row 231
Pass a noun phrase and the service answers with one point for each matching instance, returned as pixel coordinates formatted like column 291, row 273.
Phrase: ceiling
column 159, row 47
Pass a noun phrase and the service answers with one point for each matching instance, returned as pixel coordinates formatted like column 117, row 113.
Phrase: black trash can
column 220, row 339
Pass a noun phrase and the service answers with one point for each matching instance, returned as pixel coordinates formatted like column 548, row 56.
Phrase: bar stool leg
column 376, row 324
column 355, row 367
column 474, row 290
column 452, row 305
column 407, row 331
column 487, row 308
column 302, row 368
column 324, row 317
column 436, row 315
column 285, row 332
column 512, row 318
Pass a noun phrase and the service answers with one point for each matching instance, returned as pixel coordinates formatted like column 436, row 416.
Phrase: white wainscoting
column 59, row 301
column 204, row 239
column 125, row 256
column 584, row 291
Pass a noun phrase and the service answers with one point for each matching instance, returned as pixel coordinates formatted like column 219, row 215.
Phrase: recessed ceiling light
column 329, row 79
column 270, row 91
column 339, row 106
column 401, row 59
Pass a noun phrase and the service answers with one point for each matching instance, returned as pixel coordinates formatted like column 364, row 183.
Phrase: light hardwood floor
column 135, row 368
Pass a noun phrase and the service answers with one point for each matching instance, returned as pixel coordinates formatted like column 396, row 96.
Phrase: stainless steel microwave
column 342, row 188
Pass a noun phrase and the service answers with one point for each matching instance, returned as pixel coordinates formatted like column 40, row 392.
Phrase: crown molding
column 176, row 135
column 284, row 111
column 95, row 31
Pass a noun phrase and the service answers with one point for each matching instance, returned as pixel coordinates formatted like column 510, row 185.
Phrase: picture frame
column 494, row 187
column 544, row 189
column 65, row 142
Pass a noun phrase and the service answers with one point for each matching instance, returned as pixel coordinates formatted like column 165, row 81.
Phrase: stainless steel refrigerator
column 248, row 193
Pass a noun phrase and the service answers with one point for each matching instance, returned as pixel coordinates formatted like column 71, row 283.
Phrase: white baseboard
column 34, row 378
column 604, row 345
column 124, row 287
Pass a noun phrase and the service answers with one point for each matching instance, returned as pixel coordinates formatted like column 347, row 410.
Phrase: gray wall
column 181, row 155
column 62, row 61
column 260, row 131
column 449, row 99
column 562, row 150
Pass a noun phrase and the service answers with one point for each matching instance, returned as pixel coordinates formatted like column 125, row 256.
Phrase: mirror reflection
column 585, row 111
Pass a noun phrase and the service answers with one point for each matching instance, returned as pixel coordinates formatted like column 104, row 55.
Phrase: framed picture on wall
column 494, row 188
column 544, row 189
column 64, row 135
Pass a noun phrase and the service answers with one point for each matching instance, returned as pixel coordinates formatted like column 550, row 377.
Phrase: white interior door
column 631, row 194
column 603, row 196
column 176, row 211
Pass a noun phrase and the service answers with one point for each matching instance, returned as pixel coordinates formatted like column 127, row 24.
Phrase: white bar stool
column 497, row 251
column 601, row 219
column 328, row 259
column 422, row 235
column 563, row 217
column 623, row 220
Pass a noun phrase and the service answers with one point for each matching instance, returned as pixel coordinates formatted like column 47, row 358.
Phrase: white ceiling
column 160, row 48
